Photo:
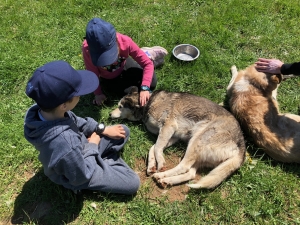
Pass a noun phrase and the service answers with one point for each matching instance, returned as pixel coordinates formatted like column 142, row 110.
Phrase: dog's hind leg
column 177, row 179
column 234, row 74
column 183, row 171
column 179, row 169
column 219, row 173
column 292, row 116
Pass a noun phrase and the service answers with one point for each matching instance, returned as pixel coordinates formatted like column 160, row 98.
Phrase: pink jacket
column 127, row 47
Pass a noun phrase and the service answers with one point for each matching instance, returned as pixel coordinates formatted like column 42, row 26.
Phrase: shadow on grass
column 259, row 153
column 85, row 108
column 43, row 202
column 179, row 62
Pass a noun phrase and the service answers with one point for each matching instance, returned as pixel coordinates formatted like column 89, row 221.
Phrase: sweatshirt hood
column 38, row 131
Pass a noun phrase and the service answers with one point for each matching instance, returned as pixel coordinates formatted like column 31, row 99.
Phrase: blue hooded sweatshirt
column 70, row 160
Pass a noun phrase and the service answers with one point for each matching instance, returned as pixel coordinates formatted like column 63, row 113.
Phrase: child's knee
column 134, row 184
column 127, row 131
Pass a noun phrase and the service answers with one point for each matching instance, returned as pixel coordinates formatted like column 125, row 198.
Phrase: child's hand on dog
column 99, row 99
column 144, row 97
column 114, row 132
column 268, row 65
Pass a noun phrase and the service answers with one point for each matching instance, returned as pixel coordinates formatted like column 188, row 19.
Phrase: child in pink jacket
column 118, row 61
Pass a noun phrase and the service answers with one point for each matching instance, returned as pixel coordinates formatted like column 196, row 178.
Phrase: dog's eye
column 120, row 107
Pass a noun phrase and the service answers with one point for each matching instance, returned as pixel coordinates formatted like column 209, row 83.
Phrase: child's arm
column 148, row 69
column 85, row 125
column 143, row 60
column 78, row 165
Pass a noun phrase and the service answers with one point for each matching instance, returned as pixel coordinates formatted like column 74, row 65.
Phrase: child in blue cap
column 77, row 153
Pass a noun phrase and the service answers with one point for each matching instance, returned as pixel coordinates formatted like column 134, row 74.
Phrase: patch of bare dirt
column 149, row 188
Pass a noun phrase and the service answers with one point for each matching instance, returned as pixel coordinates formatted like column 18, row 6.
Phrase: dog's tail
column 220, row 173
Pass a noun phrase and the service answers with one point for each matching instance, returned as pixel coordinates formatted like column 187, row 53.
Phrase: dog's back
column 253, row 102
column 186, row 108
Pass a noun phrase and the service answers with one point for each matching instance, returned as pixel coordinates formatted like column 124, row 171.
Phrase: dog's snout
column 115, row 114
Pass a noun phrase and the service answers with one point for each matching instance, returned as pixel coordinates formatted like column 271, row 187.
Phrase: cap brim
column 89, row 82
column 105, row 58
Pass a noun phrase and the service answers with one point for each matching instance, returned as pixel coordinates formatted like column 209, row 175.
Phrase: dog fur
column 214, row 136
column 252, row 100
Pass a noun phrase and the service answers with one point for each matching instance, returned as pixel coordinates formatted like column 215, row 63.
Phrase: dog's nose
column 112, row 116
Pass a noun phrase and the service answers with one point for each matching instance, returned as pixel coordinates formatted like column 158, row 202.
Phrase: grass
column 226, row 32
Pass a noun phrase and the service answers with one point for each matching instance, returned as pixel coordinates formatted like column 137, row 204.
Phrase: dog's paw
column 164, row 168
column 151, row 171
column 161, row 180
column 162, row 184
column 156, row 176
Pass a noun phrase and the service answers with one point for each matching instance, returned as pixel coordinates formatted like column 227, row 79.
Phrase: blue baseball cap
column 57, row 82
column 102, row 41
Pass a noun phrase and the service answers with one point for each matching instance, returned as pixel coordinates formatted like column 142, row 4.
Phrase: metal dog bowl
column 186, row 52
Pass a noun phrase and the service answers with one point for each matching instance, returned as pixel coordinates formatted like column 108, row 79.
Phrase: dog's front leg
column 163, row 141
column 151, row 168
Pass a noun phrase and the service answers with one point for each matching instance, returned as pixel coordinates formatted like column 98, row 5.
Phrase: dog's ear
column 276, row 78
column 131, row 90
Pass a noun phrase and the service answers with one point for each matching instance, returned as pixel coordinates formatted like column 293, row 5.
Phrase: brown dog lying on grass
column 214, row 136
column 252, row 99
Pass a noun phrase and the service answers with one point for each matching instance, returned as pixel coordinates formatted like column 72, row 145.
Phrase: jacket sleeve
column 143, row 60
column 77, row 166
column 85, row 125
column 293, row 68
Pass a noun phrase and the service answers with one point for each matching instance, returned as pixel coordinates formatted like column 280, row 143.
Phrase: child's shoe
column 158, row 62
column 156, row 54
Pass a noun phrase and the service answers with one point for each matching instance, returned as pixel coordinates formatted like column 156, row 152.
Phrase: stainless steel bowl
column 186, row 52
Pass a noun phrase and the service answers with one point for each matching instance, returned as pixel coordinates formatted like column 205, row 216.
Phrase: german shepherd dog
column 214, row 137
column 252, row 100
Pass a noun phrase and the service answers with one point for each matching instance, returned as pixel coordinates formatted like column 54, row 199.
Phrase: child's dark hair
column 51, row 110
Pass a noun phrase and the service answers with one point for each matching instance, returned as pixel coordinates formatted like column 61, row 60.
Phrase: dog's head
column 265, row 82
column 128, row 107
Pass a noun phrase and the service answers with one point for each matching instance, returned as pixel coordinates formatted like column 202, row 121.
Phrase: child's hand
column 94, row 138
column 144, row 97
column 99, row 99
column 269, row 65
column 114, row 132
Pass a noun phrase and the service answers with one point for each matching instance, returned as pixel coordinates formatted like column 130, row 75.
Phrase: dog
column 252, row 100
column 215, row 139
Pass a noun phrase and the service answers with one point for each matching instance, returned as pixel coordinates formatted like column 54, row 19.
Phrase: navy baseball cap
column 57, row 82
column 102, row 41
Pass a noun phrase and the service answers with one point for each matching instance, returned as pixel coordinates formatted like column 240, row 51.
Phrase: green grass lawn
column 226, row 32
